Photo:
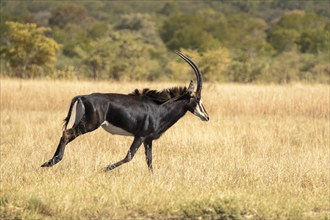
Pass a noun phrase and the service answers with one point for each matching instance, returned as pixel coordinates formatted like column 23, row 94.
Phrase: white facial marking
column 200, row 111
column 114, row 129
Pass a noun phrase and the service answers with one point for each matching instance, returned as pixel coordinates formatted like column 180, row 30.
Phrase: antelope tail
column 79, row 112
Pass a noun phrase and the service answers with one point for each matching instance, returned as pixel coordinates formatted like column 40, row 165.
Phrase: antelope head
column 195, row 104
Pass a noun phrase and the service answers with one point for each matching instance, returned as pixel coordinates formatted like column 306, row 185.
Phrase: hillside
column 238, row 41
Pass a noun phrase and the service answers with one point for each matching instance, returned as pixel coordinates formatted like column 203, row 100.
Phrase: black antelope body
column 145, row 115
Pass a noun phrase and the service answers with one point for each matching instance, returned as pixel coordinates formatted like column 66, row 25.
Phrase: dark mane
column 161, row 96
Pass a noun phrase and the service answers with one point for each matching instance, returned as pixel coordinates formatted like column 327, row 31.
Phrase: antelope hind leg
column 68, row 135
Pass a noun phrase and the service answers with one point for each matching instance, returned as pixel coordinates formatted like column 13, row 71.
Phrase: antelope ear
column 191, row 86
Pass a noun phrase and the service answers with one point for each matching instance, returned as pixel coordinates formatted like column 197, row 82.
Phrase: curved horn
column 196, row 70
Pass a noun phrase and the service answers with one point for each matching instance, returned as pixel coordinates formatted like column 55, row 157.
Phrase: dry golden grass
column 263, row 155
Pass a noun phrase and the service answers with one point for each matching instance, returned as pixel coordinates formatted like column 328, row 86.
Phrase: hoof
column 108, row 168
column 47, row 164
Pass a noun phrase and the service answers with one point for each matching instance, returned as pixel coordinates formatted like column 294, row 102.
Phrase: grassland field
column 264, row 154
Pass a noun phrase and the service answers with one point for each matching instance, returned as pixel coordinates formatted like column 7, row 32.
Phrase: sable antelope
column 145, row 115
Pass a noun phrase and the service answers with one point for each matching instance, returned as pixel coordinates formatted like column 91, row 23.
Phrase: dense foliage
column 241, row 41
column 27, row 50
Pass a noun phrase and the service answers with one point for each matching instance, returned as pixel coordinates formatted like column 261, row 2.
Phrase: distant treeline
column 274, row 41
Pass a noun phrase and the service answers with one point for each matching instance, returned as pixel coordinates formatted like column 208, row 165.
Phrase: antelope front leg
column 130, row 154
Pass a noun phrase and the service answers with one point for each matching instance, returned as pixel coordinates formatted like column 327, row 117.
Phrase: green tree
column 283, row 39
column 212, row 63
column 314, row 41
column 247, row 72
column 187, row 31
column 72, row 26
column 97, row 58
column 247, row 34
column 300, row 21
column 304, row 31
column 121, row 56
column 169, row 8
column 97, row 29
column 141, row 24
column 28, row 51
column 69, row 13
column 131, row 50
column 70, row 36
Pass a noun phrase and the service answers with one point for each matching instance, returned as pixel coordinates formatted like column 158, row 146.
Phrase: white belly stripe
column 114, row 129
